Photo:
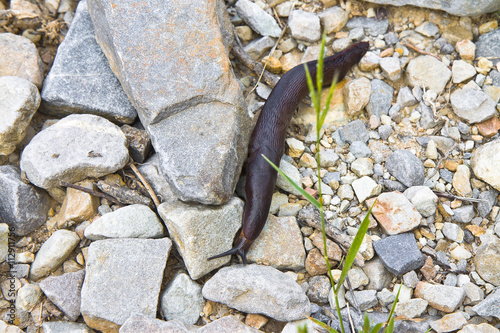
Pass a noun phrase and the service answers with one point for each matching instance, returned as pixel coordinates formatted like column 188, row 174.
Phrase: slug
column 268, row 138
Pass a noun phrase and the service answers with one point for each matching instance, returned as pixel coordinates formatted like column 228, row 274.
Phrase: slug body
column 268, row 139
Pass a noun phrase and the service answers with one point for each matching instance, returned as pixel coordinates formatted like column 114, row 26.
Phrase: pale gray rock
column 74, row 148
column 443, row 298
column 453, row 232
column 366, row 299
column 200, row 232
column 279, row 245
column 395, row 213
column 428, row 29
column 489, row 307
column 391, row 68
column 427, row 119
column 123, row 277
column 258, row 47
column 319, row 288
column 293, row 173
column 65, row 327
column 182, row 300
column 480, row 328
column 488, row 44
column 359, row 149
column 454, row 7
column 426, row 71
column 22, row 206
column 20, row 58
column 19, row 100
column 79, row 68
column 405, row 97
column 227, row 324
column 53, row 252
column 258, row 289
column 412, row 308
column 484, row 161
column 365, row 188
column 378, row 276
column 380, row 98
column 260, row 21
column 133, row 221
column 151, row 171
column 371, row 26
column 141, row 323
column 28, row 296
column 410, row 279
column 490, row 199
column 473, row 106
column 362, row 166
column 187, row 98
column 487, row 261
column 424, row 200
column 406, row 167
column 449, row 323
column 304, row 25
column 333, row 19
column 462, row 71
column 329, row 158
column 64, row 291
column 385, row 297
column 354, row 131
column 464, row 214
column 473, row 294
column 357, row 278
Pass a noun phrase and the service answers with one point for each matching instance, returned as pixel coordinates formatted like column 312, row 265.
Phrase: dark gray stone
column 391, row 38
column 446, row 174
column 442, row 259
column 406, row 167
column 22, row 206
column 464, row 214
column 490, row 199
column 454, row 7
column 360, row 149
column 366, row 299
column 371, row 26
column 64, row 291
column 488, row 44
column 123, row 277
column 319, row 287
column 405, row 97
column 354, row 131
column 468, row 236
column 495, row 76
column 427, row 119
column 399, row 253
column 81, row 81
column 393, row 185
column 380, row 98
column 489, row 307
column 183, row 89
column 329, row 176
column 139, row 143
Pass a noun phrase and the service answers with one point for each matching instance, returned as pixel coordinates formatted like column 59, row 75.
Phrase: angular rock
column 443, row 298
column 334, row 19
column 483, row 162
column 53, row 252
column 459, row 8
column 365, row 187
column 395, row 213
column 154, row 176
column 22, row 206
column 182, row 300
column 319, row 288
column 487, row 44
column 370, row 25
column 490, row 199
column 489, row 307
column 424, row 200
column 19, row 100
column 258, row 289
column 74, row 148
column 481, row 328
column 462, row 71
column 406, row 167
column 412, row 308
column 227, row 324
column 123, row 277
column 366, row 299
column 304, row 25
column 380, row 98
column 406, row 98
column 260, row 21
column 65, row 327
column 133, row 221
column 426, row 71
column 64, row 291
column 20, row 58
column 473, row 106
column 487, row 261
column 196, row 118
column 279, row 245
column 377, row 274
column 141, row 323
column 399, row 253
column 293, row 173
column 391, row 68
column 79, row 67
column 356, row 95
column 449, row 323
column 200, row 232
column 464, row 214
column 354, row 131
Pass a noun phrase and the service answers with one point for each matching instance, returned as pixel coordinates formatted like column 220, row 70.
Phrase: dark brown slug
column 268, row 138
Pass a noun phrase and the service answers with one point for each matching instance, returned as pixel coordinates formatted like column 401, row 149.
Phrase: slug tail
column 241, row 249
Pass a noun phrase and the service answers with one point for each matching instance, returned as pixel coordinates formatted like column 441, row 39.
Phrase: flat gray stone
column 304, row 25
column 490, row 199
column 484, row 161
column 370, row 25
column 80, row 79
column 399, row 253
column 487, row 261
column 183, row 89
column 53, row 253
column 22, row 206
column 151, row 171
column 426, row 71
column 200, row 232
column 133, row 221
column 378, row 275
column 65, row 327
column 64, row 291
column 19, row 100
column 354, row 131
column 123, row 277
column 257, row 18
column 74, row 148
column 473, row 106
column 20, row 58
column 380, row 98
column 406, row 167
column 366, row 299
column 227, row 324
column 489, row 307
column 464, row 214
column 292, row 172
column 454, row 7
column 488, row 44
column 182, row 300
column 441, row 297
column 258, row 289
column 424, row 200
column 141, row 323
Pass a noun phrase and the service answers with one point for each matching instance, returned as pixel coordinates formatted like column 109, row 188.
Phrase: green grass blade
column 302, row 329
column 324, row 112
column 390, row 327
column 376, row 328
column 300, row 189
column 323, row 325
column 310, row 84
column 356, row 244
column 366, row 323
column 319, row 73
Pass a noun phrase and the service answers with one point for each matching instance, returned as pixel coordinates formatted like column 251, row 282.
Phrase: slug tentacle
column 268, row 138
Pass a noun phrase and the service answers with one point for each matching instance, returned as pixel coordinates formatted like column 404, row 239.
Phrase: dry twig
column 92, row 192
column 414, row 48
column 146, row 184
